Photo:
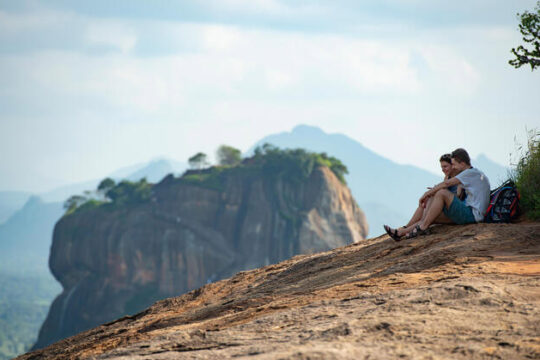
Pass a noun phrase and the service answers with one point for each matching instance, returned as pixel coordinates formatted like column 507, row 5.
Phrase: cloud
column 268, row 7
column 223, row 62
column 12, row 23
column 450, row 70
column 111, row 33
column 162, row 68
column 244, row 69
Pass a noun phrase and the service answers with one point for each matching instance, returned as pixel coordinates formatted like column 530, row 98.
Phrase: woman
column 449, row 172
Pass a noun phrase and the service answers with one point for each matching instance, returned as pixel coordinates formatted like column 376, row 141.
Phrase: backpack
column 503, row 204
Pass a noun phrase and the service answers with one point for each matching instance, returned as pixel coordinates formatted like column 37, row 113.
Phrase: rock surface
column 464, row 292
column 118, row 261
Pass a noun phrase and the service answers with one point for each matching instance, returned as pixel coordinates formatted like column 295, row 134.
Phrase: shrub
column 71, row 204
column 208, row 178
column 527, row 176
column 128, row 192
column 293, row 165
column 90, row 204
column 123, row 193
column 297, row 164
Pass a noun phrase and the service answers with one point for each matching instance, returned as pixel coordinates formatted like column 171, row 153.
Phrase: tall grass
column 527, row 175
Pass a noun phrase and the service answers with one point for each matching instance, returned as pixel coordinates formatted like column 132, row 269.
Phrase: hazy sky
column 87, row 87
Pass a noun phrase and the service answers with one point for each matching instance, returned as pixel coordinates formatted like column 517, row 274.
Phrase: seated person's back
column 477, row 188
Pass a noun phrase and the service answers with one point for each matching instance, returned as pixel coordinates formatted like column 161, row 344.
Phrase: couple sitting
column 446, row 203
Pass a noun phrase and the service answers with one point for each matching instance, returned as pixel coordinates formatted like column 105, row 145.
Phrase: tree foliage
column 106, row 184
column 198, row 161
column 111, row 194
column 291, row 165
column 227, row 155
column 24, row 302
column 128, row 192
column 298, row 164
column 530, row 29
column 73, row 202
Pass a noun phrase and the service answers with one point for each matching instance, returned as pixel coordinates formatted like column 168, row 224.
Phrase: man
column 445, row 207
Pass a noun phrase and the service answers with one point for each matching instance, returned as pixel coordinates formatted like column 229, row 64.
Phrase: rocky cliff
column 113, row 261
column 464, row 292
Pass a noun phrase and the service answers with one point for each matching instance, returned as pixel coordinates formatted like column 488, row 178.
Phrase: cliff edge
column 115, row 259
column 464, row 292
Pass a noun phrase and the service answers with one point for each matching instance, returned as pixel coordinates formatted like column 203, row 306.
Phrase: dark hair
column 447, row 158
column 461, row 155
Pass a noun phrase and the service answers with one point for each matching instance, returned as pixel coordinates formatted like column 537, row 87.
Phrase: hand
column 423, row 199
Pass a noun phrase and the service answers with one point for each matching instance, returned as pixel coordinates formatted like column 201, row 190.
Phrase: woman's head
column 446, row 164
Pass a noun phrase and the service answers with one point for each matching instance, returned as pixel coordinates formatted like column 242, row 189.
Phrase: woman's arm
column 443, row 185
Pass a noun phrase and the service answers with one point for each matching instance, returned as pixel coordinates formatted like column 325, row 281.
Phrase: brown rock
column 464, row 292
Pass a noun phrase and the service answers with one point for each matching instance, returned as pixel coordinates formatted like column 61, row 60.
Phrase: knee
column 443, row 193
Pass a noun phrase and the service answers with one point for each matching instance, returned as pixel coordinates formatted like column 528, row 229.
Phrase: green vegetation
column 129, row 193
column 211, row 178
column 227, row 155
column 527, row 176
column 198, row 161
column 24, row 302
column 293, row 165
column 297, row 164
column 530, row 29
column 111, row 195
column 74, row 202
column 106, row 185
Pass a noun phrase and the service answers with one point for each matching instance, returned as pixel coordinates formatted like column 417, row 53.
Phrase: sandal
column 417, row 231
column 393, row 234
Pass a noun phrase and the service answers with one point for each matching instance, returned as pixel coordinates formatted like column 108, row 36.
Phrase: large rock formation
column 464, row 292
column 117, row 261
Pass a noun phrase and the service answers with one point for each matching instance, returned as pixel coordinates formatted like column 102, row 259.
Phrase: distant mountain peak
column 33, row 200
column 496, row 172
column 482, row 156
column 307, row 130
column 159, row 160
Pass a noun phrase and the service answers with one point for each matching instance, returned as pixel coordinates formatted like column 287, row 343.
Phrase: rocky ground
column 464, row 292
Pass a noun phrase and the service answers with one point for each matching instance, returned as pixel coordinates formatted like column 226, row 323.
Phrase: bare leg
column 440, row 218
column 441, row 199
column 411, row 225
column 418, row 215
column 428, row 205
column 443, row 219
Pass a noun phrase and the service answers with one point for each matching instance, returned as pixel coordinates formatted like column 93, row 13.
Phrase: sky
column 87, row 87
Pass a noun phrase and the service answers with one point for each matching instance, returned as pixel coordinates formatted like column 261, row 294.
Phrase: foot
column 418, row 231
column 393, row 233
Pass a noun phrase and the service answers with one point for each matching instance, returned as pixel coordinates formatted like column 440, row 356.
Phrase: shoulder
column 466, row 172
column 479, row 173
column 470, row 174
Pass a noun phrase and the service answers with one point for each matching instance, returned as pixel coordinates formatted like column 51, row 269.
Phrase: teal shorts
column 459, row 212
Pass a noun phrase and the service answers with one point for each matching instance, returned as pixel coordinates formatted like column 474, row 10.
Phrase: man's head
column 460, row 160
